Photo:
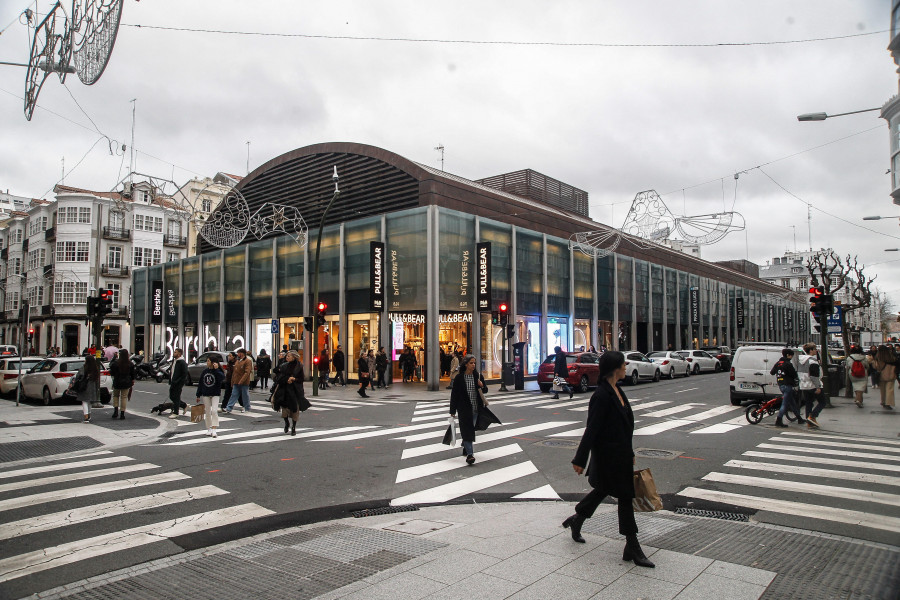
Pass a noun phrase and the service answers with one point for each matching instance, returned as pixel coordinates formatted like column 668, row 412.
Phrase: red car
column 582, row 366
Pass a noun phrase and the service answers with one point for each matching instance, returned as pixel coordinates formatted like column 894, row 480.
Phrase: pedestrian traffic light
column 321, row 311
column 504, row 314
column 30, row 333
column 495, row 318
column 510, row 331
column 315, row 360
column 91, row 306
column 308, row 323
column 828, row 304
column 104, row 304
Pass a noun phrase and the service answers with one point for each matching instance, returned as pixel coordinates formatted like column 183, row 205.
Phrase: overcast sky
column 610, row 120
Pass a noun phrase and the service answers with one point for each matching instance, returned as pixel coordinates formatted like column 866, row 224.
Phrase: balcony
column 121, row 311
column 50, row 234
column 115, row 233
column 111, row 271
column 47, row 309
column 48, row 271
column 177, row 241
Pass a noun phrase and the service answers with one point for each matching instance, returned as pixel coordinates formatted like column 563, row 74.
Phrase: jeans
column 469, row 446
column 787, row 401
column 810, row 396
column 338, row 376
column 241, row 392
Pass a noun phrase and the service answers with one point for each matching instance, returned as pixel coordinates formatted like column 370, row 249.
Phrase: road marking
column 180, row 436
column 815, row 472
column 573, row 433
column 832, row 491
column 670, row 411
column 49, row 558
column 490, row 437
column 281, row 437
column 569, row 403
column 713, row 412
column 432, row 409
column 814, row 511
column 687, row 390
column 449, row 464
column 662, row 426
column 42, row 481
column 449, row 491
column 224, row 438
column 383, row 431
column 89, row 490
column 108, row 509
column 830, row 436
column 441, row 415
column 717, row 428
column 651, row 405
column 830, row 451
column 545, row 492
column 837, row 444
column 63, row 466
column 825, row 460
column 533, row 402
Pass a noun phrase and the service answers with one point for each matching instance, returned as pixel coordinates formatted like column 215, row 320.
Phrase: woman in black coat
column 263, row 368
column 289, row 396
column 561, row 370
column 607, row 438
column 465, row 400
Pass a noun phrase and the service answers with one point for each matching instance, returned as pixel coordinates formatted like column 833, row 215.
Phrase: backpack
column 857, row 369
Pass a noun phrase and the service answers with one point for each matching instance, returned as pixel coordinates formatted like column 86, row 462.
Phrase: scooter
column 150, row 369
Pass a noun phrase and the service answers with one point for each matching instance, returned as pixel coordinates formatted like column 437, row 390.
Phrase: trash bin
column 508, row 373
column 835, row 378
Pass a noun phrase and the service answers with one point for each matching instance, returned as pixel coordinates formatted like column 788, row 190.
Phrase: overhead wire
column 498, row 42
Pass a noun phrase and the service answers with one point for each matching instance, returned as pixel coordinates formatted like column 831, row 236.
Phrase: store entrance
column 454, row 338
column 408, row 346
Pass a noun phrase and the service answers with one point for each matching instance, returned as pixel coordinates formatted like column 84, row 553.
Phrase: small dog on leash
column 159, row 408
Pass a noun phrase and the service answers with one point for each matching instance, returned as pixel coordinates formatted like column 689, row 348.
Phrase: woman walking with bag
column 607, row 438
column 466, row 400
column 122, row 371
column 208, row 389
column 886, row 365
column 86, row 385
column 362, row 366
column 289, row 395
column 560, row 372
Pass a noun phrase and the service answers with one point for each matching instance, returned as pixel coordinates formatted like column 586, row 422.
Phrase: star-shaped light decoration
column 270, row 218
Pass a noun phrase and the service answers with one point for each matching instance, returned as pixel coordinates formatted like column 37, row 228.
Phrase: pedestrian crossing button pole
column 503, row 314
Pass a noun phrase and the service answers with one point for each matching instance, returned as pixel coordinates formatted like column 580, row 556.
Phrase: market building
column 414, row 257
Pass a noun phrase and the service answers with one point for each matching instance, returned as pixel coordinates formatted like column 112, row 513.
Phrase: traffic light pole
column 25, row 320
column 503, row 362
column 315, row 330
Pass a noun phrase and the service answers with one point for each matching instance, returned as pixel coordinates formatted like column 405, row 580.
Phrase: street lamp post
column 821, row 116
column 315, row 327
column 877, row 218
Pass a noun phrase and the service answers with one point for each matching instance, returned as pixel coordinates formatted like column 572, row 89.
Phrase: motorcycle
column 149, row 369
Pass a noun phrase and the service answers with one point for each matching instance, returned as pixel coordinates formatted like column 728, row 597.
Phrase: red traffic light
column 31, row 331
column 322, row 307
column 315, row 360
column 815, row 290
column 504, row 307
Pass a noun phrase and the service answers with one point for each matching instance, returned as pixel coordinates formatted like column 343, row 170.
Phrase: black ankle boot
column 115, row 412
column 286, row 425
column 634, row 553
column 293, row 427
column 575, row 522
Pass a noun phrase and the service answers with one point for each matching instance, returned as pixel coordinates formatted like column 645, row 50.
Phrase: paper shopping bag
column 646, row 498
column 197, row 412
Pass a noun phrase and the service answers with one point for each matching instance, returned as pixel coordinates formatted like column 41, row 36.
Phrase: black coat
column 122, row 379
column 264, row 366
column 560, row 367
column 460, row 404
column 607, row 438
column 338, row 360
column 290, row 395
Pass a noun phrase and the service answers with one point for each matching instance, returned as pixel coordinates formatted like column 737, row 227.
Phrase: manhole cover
column 558, row 443
column 417, row 526
column 654, row 453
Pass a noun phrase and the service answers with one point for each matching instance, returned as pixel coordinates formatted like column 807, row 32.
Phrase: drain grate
column 383, row 510
column 558, row 443
column 712, row 514
column 656, row 453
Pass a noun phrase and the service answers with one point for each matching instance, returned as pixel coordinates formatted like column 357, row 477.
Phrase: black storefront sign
column 771, row 317
column 376, row 276
column 695, row 306
column 171, row 306
column 739, row 311
column 483, row 254
column 156, row 302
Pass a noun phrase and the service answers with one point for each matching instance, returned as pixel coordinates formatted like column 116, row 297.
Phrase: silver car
column 49, row 379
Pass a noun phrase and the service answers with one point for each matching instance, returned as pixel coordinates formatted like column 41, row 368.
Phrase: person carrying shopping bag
column 86, row 385
column 467, row 399
column 560, row 372
column 288, row 394
column 208, row 389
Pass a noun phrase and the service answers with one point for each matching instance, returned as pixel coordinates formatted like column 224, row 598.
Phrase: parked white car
column 701, row 361
column 640, row 367
column 671, row 364
column 9, row 372
column 49, row 379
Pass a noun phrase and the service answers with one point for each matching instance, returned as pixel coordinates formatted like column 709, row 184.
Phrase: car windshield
column 658, row 355
column 684, row 353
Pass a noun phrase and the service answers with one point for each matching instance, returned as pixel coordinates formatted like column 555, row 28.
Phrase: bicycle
column 762, row 408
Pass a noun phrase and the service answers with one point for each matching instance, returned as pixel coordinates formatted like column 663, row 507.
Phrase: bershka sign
column 739, row 311
column 171, row 308
column 483, row 255
column 695, row 306
column 376, row 276
column 156, row 302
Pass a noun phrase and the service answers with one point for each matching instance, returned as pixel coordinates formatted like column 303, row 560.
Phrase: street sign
column 274, row 325
column 835, row 320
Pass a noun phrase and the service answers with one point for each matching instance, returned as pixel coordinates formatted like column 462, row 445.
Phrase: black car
column 723, row 353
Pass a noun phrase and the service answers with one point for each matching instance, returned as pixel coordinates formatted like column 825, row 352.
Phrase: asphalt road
column 352, row 454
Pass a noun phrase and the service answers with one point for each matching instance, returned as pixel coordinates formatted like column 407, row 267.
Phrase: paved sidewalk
column 511, row 550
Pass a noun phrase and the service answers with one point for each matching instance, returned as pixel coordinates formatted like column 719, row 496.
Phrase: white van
column 750, row 367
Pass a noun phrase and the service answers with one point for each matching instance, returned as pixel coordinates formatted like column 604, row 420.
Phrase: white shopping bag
column 450, row 434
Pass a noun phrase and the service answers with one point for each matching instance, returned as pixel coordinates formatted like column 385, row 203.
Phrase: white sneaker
column 173, row 416
column 214, row 433
column 209, row 431
column 242, row 409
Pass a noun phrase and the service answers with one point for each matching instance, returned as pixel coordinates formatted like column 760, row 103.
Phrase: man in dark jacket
column 561, row 370
column 787, row 378
column 176, row 383
column 337, row 361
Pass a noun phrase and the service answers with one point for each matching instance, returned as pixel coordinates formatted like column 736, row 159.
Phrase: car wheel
column 159, row 378
column 634, row 378
column 718, row 367
column 671, row 374
column 545, row 387
column 656, row 376
column 583, row 385
column 188, row 381
column 696, row 369
column 46, row 396
column 735, row 401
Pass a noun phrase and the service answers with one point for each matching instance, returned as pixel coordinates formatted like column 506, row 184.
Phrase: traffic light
column 315, row 360
column 92, row 306
column 30, row 333
column 104, row 304
column 828, row 304
column 504, row 315
column 510, row 331
column 819, row 304
column 321, row 311
column 495, row 318
column 308, row 323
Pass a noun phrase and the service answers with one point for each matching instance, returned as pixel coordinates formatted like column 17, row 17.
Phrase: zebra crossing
column 40, row 505
column 671, row 414
column 809, row 474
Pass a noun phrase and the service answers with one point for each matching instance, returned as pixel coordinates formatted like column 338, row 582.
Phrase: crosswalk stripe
column 669, row 411
column 180, row 436
column 717, row 428
column 831, row 491
column 225, row 438
column 89, row 490
column 573, row 433
column 42, row 481
column 449, row 464
column 830, row 451
column 545, row 492
column 108, row 509
column 662, row 426
column 440, row 428
column 438, row 415
column 821, row 442
column 345, row 403
column 63, row 466
column 432, row 409
column 490, row 437
column 48, row 558
column 650, row 405
column 533, row 402
column 815, row 472
column 448, row 491
column 816, row 511
column 840, row 437
column 686, row 390
column 825, row 460
column 713, row 412
column 568, row 403
column 281, row 437
column 383, row 431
